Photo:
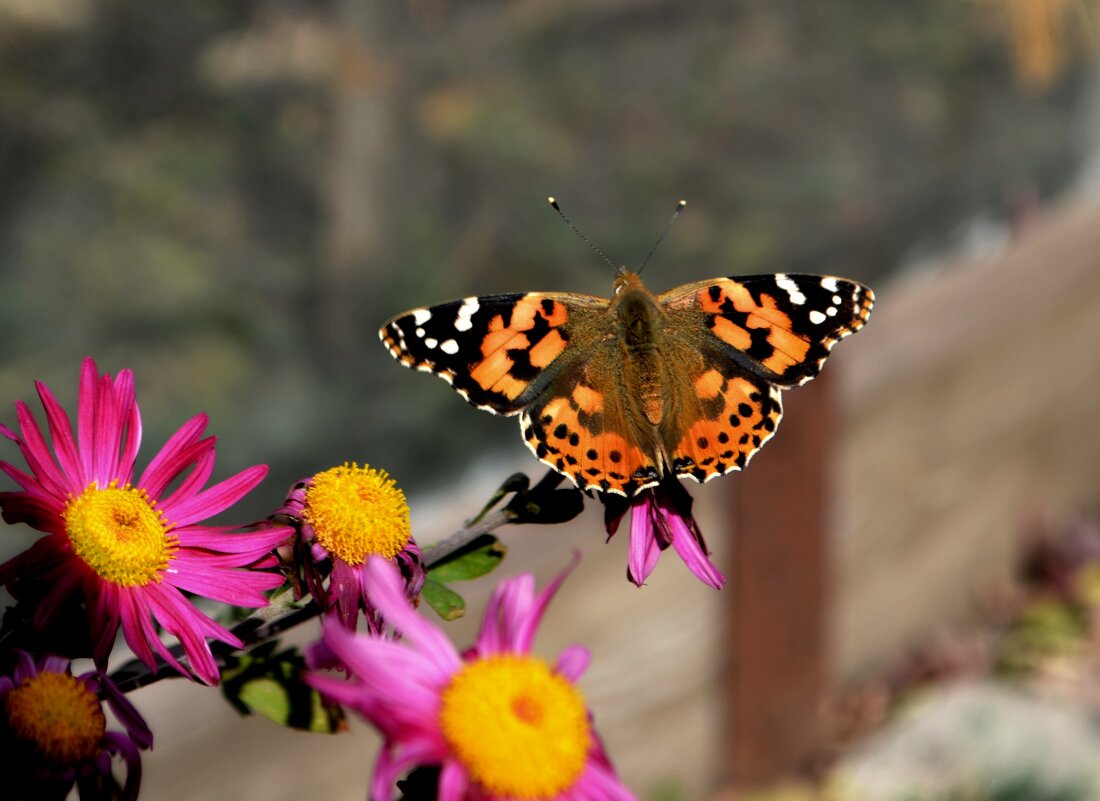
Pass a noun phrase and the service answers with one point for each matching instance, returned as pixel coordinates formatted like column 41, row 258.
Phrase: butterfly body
column 616, row 393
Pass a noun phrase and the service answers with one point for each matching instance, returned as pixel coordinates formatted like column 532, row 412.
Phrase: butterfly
column 618, row 393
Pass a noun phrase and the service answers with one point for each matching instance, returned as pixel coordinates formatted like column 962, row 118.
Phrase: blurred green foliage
column 231, row 197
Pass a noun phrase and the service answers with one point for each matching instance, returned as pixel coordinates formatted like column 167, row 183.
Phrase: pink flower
column 128, row 549
column 344, row 516
column 660, row 517
column 54, row 733
column 498, row 722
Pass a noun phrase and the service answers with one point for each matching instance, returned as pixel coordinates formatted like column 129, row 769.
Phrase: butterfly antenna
column 661, row 238
column 584, row 238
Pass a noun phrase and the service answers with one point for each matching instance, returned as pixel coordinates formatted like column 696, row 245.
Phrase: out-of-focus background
column 231, row 197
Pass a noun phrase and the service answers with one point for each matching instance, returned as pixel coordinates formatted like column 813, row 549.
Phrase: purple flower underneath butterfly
column 661, row 517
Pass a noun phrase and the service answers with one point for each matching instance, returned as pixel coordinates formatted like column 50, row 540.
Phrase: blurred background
column 230, row 198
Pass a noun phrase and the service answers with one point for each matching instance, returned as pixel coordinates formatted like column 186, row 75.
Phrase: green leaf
column 447, row 603
column 270, row 684
column 477, row 558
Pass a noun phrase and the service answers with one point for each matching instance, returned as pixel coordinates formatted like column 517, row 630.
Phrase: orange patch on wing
column 761, row 315
column 709, row 384
column 589, row 400
column 495, row 367
column 557, row 316
column 509, row 387
column 547, row 349
column 731, row 290
column 716, row 445
column 792, row 345
column 526, row 309
column 597, row 456
column 523, row 319
column 731, row 333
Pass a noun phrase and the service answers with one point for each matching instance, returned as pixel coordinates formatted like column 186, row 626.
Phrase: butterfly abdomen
column 645, row 376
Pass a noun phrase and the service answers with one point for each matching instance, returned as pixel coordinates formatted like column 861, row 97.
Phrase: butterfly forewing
column 781, row 326
column 494, row 350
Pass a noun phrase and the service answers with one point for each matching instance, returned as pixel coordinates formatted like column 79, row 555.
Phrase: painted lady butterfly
column 617, row 393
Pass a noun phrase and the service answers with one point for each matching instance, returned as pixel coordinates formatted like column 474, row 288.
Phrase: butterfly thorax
column 640, row 323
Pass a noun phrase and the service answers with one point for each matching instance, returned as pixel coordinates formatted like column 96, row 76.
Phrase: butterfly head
column 626, row 279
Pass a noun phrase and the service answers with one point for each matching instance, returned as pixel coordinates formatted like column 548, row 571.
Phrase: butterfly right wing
column 780, row 327
column 496, row 351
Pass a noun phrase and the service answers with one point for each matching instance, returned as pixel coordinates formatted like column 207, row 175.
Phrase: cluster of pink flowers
column 124, row 547
column 125, row 550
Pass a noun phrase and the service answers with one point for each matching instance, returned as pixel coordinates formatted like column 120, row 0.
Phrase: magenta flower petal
column 683, row 540
column 573, row 662
column 644, row 550
column 37, row 454
column 176, row 455
column 209, row 581
column 453, row 783
column 61, row 431
column 217, row 498
column 390, row 598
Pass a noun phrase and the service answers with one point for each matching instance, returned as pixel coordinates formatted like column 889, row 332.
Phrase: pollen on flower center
column 356, row 512
column 119, row 534
column 58, row 716
column 520, row 730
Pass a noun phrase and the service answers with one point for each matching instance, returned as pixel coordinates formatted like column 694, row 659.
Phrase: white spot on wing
column 829, row 284
column 467, row 310
column 817, row 318
column 449, row 346
column 420, row 332
column 421, row 316
column 793, row 292
column 430, row 342
column 831, row 311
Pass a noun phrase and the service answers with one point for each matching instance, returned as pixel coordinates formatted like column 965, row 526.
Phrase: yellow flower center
column 57, row 715
column 356, row 512
column 119, row 534
column 520, row 730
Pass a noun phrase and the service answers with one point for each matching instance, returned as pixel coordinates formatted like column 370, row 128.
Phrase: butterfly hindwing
column 734, row 414
column 579, row 426
column 780, row 326
column 494, row 350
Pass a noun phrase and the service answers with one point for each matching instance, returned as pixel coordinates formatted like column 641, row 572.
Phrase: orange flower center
column 57, row 715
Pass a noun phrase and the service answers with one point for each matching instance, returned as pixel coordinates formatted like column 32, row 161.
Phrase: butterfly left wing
column 497, row 351
column 780, row 327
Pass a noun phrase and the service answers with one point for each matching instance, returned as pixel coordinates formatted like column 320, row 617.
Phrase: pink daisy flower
column 660, row 517
column 54, row 732
column 344, row 516
column 498, row 722
column 129, row 547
